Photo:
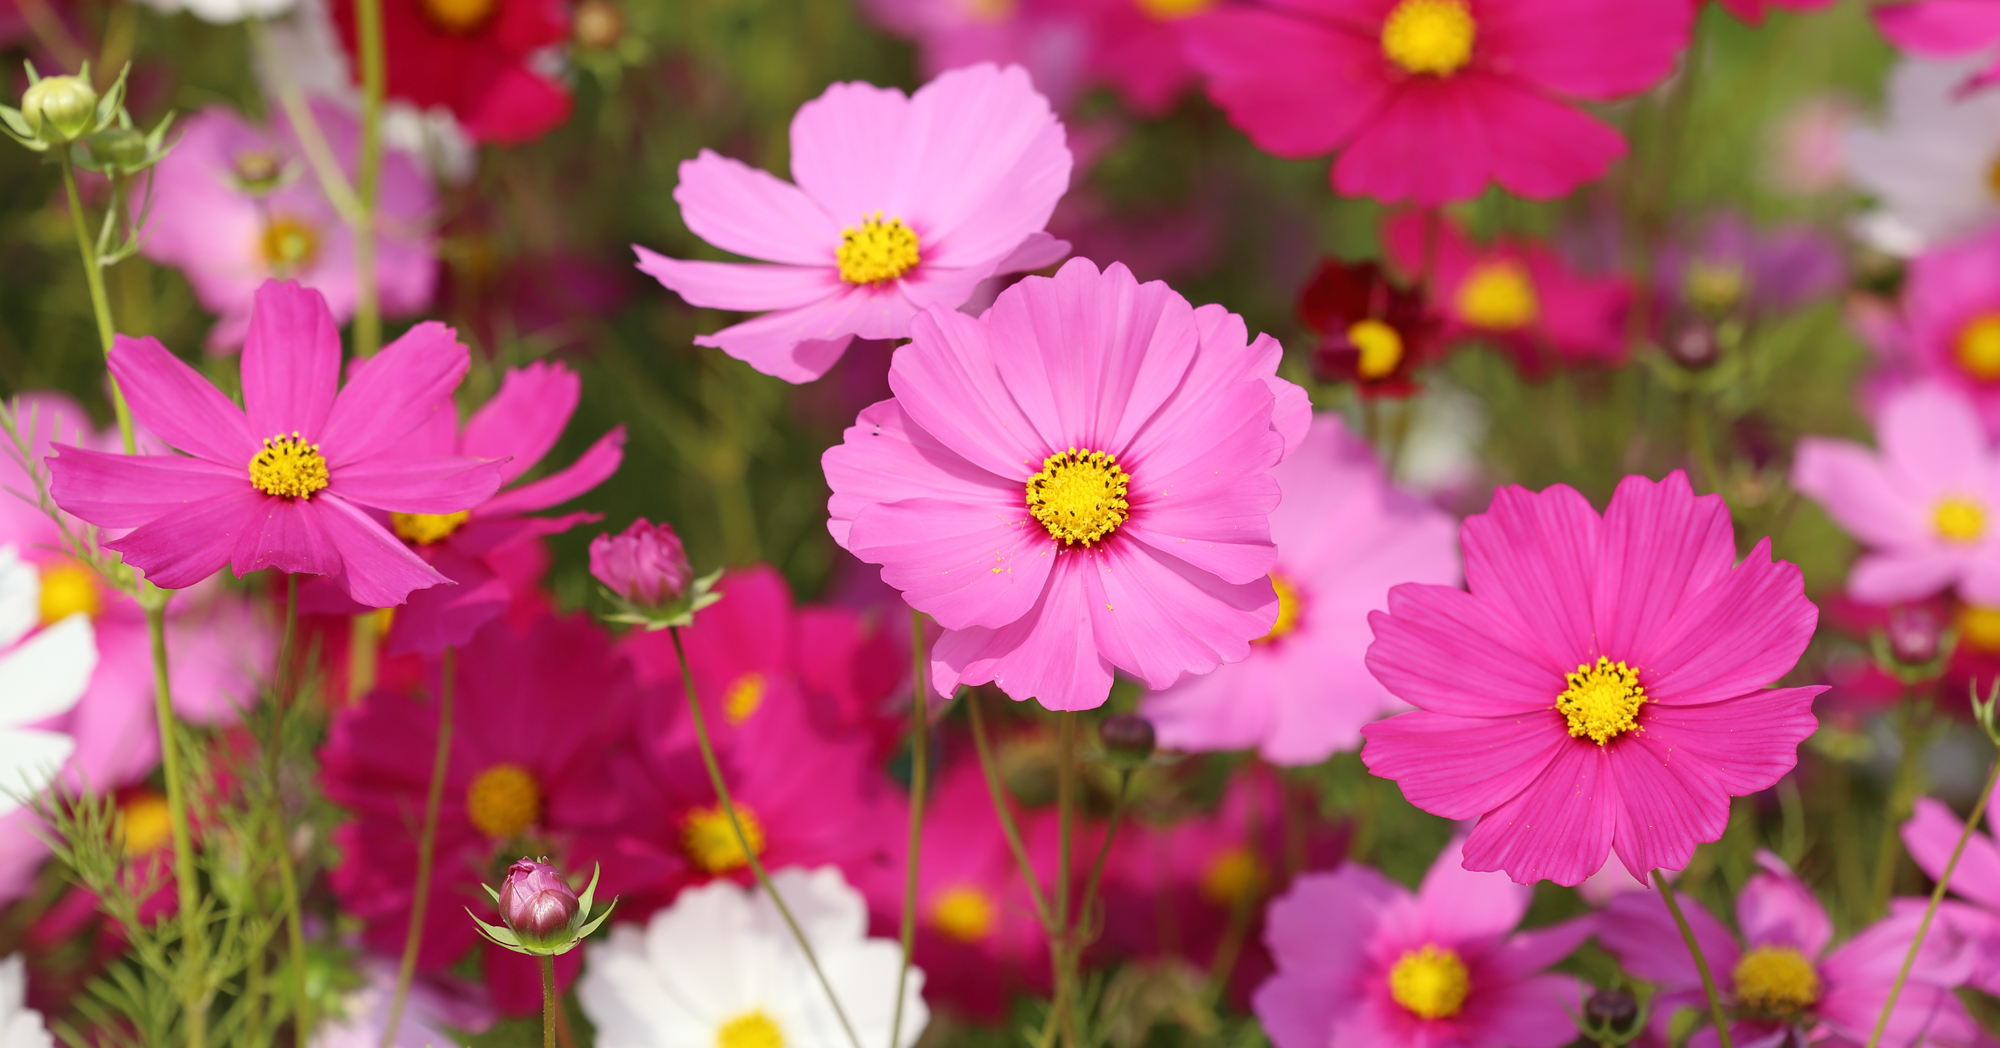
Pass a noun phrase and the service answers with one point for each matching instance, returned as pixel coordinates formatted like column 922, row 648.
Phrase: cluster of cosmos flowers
column 1080, row 491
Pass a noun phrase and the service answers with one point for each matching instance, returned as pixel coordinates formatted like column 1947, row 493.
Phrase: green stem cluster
column 920, row 729
column 426, row 851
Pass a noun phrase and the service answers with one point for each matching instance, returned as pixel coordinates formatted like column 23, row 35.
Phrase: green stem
column 548, row 1001
column 194, row 938
column 1060, row 953
column 1700, row 961
column 100, row 303
column 743, row 841
column 1937, row 898
column 426, row 851
column 1104, row 853
column 1008, row 827
column 288, row 879
column 374, row 82
column 920, row 730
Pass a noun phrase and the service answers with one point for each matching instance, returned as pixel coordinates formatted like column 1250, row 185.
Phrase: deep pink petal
column 1048, row 654
column 1750, row 742
column 1585, row 48
column 291, row 361
column 1296, row 86
column 524, row 420
column 447, row 616
column 416, row 485
column 595, row 466
column 1939, row 28
column 1658, row 546
column 1531, row 1013
column 1639, row 931
column 1739, row 635
column 1323, row 922
column 286, row 534
column 1775, row 907
column 1462, row 767
column 746, row 287
column 1535, row 554
column 125, row 491
column 186, row 545
column 377, row 569
column 970, row 563
column 1297, row 1009
column 173, row 402
column 1445, row 650
column 1931, row 835
column 1161, row 618
column 947, row 381
column 1559, row 828
column 394, row 393
column 755, row 214
column 1531, row 952
column 1669, row 800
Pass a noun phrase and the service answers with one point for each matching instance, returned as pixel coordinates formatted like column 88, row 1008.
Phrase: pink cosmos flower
column 1517, row 294
column 1079, row 480
column 1920, row 504
column 1930, row 836
column 1429, row 101
column 235, row 205
column 1780, row 977
column 288, row 484
column 1363, row 962
column 1948, row 329
column 1944, row 29
column 902, row 203
column 1344, row 537
column 1550, row 696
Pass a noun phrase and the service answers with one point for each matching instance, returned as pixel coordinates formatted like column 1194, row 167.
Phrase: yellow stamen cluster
column 1236, row 875
column 743, row 698
column 503, row 801
column 1776, row 979
column 69, row 588
column 1979, row 627
column 144, row 824
column 1079, row 496
column 1715, row 287
column 288, row 244
column 288, row 467
column 1959, row 519
column 1978, row 347
column 427, row 528
column 752, row 1029
column 1288, row 609
column 1430, row 37
column 1169, row 10
column 1498, row 295
column 1381, row 348
column 711, row 844
column 1602, row 701
column 964, row 913
column 459, row 16
column 1431, row 982
column 875, row 251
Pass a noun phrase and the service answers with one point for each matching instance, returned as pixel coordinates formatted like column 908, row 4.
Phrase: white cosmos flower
column 718, row 969
column 20, row 1026
column 223, row 11
column 40, row 677
column 1934, row 163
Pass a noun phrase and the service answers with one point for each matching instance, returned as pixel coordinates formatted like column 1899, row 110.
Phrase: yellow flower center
column 1959, row 520
column 257, row 170
column 288, row 244
column 1993, row 176
column 875, row 251
column 1168, row 10
column 964, row 913
column 711, row 842
column 1429, row 36
column 503, row 801
column 1288, row 609
column 1979, row 627
column 1236, row 875
column 1079, row 496
column 1381, row 348
column 288, row 468
column 459, row 16
column 144, row 824
column 744, row 697
column 1978, row 347
column 1431, row 982
column 1497, row 295
column 69, row 588
column 1713, row 287
column 1776, row 979
column 426, row 528
column 1602, row 701
column 752, row 1029
column 990, row 10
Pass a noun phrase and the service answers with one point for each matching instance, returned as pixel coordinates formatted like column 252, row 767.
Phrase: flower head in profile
column 1362, row 961
column 1076, row 481
column 1945, row 29
column 1431, row 101
column 1373, row 332
column 482, row 59
column 901, row 203
column 1550, row 697
column 1344, row 537
column 41, row 676
column 1929, row 164
column 287, row 481
column 719, row 967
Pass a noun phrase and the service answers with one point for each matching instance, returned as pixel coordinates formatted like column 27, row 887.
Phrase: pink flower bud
column 536, row 903
column 644, row 564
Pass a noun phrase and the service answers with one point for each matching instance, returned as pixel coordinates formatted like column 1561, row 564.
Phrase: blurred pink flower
column 1944, row 29
column 902, row 203
column 1430, row 101
column 1730, row 266
column 1948, row 328
column 1588, row 650
column 235, row 205
column 1925, row 504
column 1076, row 481
column 1931, row 835
column 256, row 490
column 1362, row 961
column 1752, row 11
column 439, row 1006
column 1344, row 536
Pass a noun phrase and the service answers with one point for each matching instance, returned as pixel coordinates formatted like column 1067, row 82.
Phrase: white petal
column 20, row 595
column 29, row 760
column 47, row 673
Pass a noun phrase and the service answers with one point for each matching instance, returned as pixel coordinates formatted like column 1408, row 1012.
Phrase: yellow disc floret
column 1431, row 982
column 1288, row 609
column 743, row 698
column 1978, row 348
column 1715, row 287
column 145, row 823
column 1602, row 701
column 1168, row 10
column 1776, row 979
column 965, row 913
column 1959, row 519
column 69, row 588
column 1429, row 36
column 1079, row 496
column 1499, row 296
column 1381, row 348
column 288, row 245
column 752, row 1029
column 1979, row 626
column 711, row 844
column 1236, row 875
column 427, row 528
column 503, row 801
column 875, row 251
column 288, row 468
column 459, row 16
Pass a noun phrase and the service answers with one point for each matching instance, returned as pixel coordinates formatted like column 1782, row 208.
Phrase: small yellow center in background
column 1993, row 177
column 1602, row 701
column 1978, row 347
column 1715, row 287
column 69, row 588
column 503, row 801
column 1288, row 609
column 426, row 528
column 710, row 842
column 288, row 468
column 1429, row 36
column 1959, row 520
column 1236, row 875
column 1380, row 346
column 459, row 16
column 752, row 1029
column 1498, row 295
column 1431, row 982
column 144, row 824
column 1979, row 627
column 288, row 245
column 1079, row 496
column 1168, row 10
column 964, row 913
column 1776, row 979
column 744, row 697
column 875, row 251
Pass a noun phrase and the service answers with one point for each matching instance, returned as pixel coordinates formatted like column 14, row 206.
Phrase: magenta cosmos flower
column 1925, row 504
column 901, row 203
column 1780, row 977
column 1344, row 537
column 1944, row 29
column 1550, row 697
column 1363, row 962
column 1931, row 835
column 285, row 482
column 1429, row 101
column 1949, row 325
column 1076, row 481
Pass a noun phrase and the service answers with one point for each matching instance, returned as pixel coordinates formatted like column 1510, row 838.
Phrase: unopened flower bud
column 1915, row 631
column 537, row 904
column 60, row 108
column 118, row 148
column 1127, row 737
column 1692, row 343
column 1613, row 1012
column 598, row 24
column 645, row 564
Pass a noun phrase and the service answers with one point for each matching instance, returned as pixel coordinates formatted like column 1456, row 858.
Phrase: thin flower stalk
column 100, row 303
column 1700, row 961
column 194, row 937
column 426, row 852
column 920, row 729
column 288, row 879
column 1005, row 814
column 548, row 1000
column 374, row 82
column 1061, row 952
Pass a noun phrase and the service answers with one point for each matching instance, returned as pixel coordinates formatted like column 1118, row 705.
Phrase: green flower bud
column 118, row 148
column 60, row 108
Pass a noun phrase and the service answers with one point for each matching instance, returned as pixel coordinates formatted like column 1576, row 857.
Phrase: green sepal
column 499, row 935
column 584, row 932
column 589, row 892
column 490, row 891
column 700, row 594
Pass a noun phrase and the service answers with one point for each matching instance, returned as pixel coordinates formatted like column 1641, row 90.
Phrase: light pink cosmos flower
column 1076, row 481
column 1362, row 962
column 1344, row 536
column 1931, row 835
column 902, row 203
column 1925, row 505
column 235, row 205
column 285, row 482
column 1430, row 101
column 1781, row 977
column 1944, row 29
column 1589, row 649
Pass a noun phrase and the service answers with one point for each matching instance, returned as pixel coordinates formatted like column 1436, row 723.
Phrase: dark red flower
column 1373, row 332
column 476, row 57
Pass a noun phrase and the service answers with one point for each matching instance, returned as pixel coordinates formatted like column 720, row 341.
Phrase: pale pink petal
column 747, row 287
column 1224, row 710
column 186, row 545
column 1751, row 741
column 1533, row 554
column 1445, row 650
column 1160, row 618
column 1775, row 907
column 839, row 141
column 1659, row 545
column 1898, row 576
column 1931, row 835
column 285, row 534
column 947, row 381
column 1530, row 952
column 1459, row 905
column 595, row 466
column 1639, row 931
column 1298, row 1009
column 377, row 569
column 1860, row 493
column 799, row 345
column 1669, row 800
column 1048, row 654
column 755, row 214
column 1559, row 828
column 1932, row 436
column 968, row 562
column 125, row 491
column 883, row 458
column 393, row 393
column 1585, row 48
column 1462, row 767
column 1257, row 64
column 1035, row 251
column 1323, row 922
column 1217, row 519
column 173, row 402
column 400, row 485
column 1228, row 352
column 291, row 361
column 524, row 419
column 1738, row 635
